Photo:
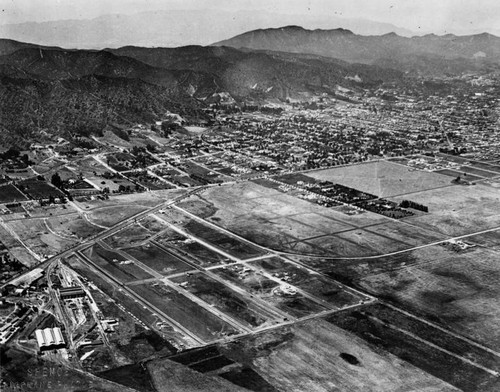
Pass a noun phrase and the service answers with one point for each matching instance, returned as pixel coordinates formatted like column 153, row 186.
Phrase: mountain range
column 172, row 28
column 52, row 90
column 81, row 91
column 408, row 54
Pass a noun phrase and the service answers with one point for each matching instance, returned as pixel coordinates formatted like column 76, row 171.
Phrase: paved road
column 105, row 233
column 120, row 286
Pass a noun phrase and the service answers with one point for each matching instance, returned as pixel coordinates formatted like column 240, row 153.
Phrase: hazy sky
column 418, row 15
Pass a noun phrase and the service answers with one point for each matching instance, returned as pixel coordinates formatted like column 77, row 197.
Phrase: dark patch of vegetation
column 351, row 359
column 248, row 378
column 133, row 376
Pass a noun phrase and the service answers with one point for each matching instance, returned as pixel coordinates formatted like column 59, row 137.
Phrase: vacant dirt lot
column 382, row 178
column 458, row 210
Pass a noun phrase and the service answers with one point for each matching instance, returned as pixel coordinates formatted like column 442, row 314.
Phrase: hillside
column 439, row 52
column 61, row 91
column 57, row 64
column 262, row 73
column 33, row 109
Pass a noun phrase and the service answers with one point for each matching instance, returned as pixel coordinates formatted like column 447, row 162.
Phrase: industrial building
column 49, row 338
column 71, row 292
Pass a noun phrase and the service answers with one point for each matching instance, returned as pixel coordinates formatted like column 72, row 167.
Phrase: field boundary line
column 449, row 332
column 413, row 336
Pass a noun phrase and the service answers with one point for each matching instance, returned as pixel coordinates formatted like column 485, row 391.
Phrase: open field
column 46, row 164
column 144, row 199
column 116, row 264
column 200, row 255
column 204, row 360
column 111, row 138
column 169, row 376
column 486, row 166
column 403, row 232
column 47, row 211
column 16, row 248
column 406, row 338
column 455, row 174
column 433, row 335
column 477, row 172
column 357, row 243
column 157, row 259
column 457, row 290
column 72, row 226
column 110, row 216
column 382, row 178
column 130, row 236
column 325, row 223
column 210, row 360
column 296, row 228
column 457, row 210
column 275, row 220
column 224, row 299
column 314, row 355
column 489, row 240
column 9, row 193
column 21, row 254
column 494, row 183
column 196, row 319
column 373, row 241
column 222, row 241
column 36, row 234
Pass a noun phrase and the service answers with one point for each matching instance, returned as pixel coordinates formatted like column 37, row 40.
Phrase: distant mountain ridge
column 172, row 28
column 344, row 44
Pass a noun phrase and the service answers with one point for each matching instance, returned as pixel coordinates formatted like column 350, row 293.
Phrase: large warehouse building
column 71, row 292
column 49, row 338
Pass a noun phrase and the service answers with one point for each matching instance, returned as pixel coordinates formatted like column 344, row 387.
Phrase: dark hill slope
column 49, row 64
column 244, row 73
column 8, row 46
column 76, row 91
column 30, row 108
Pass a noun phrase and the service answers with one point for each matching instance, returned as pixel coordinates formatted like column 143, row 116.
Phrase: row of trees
column 415, row 206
